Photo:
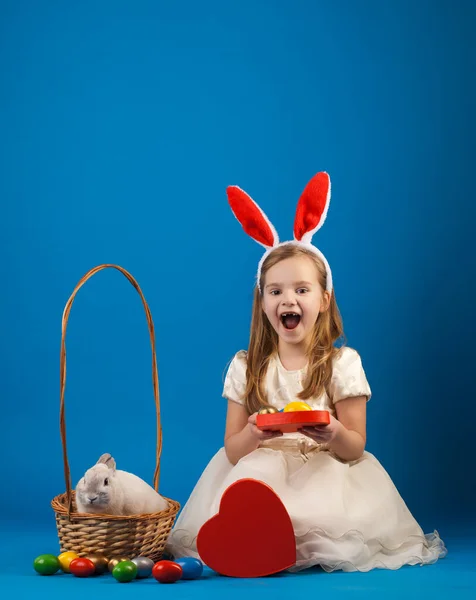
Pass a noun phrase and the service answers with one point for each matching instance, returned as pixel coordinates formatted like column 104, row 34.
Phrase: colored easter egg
column 46, row 564
column 144, row 566
column 81, row 567
column 268, row 410
column 114, row 561
column 192, row 568
column 167, row 571
column 100, row 563
column 125, row 571
column 297, row 406
column 65, row 559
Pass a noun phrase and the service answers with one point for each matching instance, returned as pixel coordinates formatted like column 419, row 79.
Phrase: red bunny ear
column 312, row 207
column 252, row 218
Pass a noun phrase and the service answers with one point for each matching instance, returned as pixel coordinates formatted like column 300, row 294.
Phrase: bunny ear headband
column 311, row 213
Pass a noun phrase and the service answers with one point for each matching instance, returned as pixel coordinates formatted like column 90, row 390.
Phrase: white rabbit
column 107, row 490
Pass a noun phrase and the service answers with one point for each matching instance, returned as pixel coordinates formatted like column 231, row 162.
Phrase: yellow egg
column 296, row 406
column 65, row 559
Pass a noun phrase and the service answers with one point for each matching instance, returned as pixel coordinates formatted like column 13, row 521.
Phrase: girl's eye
column 275, row 292
column 302, row 290
column 106, row 481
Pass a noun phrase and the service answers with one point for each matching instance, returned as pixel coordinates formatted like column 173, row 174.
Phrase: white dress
column 346, row 515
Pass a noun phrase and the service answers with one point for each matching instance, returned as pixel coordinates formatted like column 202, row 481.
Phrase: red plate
column 289, row 422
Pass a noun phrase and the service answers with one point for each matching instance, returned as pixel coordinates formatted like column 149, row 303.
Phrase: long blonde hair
column 264, row 339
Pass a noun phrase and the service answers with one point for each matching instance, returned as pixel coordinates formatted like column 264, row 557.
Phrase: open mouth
column 290, row 320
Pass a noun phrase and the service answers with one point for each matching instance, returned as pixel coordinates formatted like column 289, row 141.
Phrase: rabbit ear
column 107, row 460
column 312, row 207
column 253, row 220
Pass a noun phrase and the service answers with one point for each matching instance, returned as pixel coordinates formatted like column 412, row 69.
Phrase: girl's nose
column 288, row 299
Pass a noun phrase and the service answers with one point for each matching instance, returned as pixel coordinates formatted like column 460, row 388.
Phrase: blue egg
column 192, row 568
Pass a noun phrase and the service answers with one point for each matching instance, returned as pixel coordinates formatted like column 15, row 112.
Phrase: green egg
column 125, row 571
column 46, row 564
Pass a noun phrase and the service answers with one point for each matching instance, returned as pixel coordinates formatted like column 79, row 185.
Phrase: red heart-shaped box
column 252, row 534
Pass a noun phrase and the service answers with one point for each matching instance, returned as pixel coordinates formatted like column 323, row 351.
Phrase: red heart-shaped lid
column 252, row 534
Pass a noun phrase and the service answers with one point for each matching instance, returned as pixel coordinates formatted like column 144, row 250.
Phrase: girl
column 346, row 512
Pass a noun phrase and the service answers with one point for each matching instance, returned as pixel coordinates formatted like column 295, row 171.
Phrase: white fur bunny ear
column 107, row 460
column 253, row 220
column 312, row 207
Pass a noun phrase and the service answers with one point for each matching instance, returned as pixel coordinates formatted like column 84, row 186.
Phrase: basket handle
column 155, row 378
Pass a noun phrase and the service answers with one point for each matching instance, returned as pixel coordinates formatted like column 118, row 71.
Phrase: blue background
column 121, row 125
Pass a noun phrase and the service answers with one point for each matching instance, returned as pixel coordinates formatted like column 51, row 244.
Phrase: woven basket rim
column 60, row 506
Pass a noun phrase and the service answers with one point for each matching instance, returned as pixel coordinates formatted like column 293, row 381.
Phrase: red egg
column 167, row 571
column 82, row 567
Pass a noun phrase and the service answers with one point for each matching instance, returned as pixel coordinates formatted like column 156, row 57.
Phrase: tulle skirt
column 346, row 516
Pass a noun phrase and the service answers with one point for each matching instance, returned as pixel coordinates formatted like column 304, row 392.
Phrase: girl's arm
column 350, row 439
column 241, row 434
column 345, row 435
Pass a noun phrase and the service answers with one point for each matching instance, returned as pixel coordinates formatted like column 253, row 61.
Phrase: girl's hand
column 324, row 434
column 257, row 433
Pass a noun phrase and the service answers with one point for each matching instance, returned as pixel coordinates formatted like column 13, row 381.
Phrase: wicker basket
column 112, row 536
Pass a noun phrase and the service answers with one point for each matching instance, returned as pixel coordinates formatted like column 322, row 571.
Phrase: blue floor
column 451, row 578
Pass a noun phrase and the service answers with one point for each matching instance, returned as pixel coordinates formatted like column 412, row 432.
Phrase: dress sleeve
column 235, row 379
column 348, row 377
